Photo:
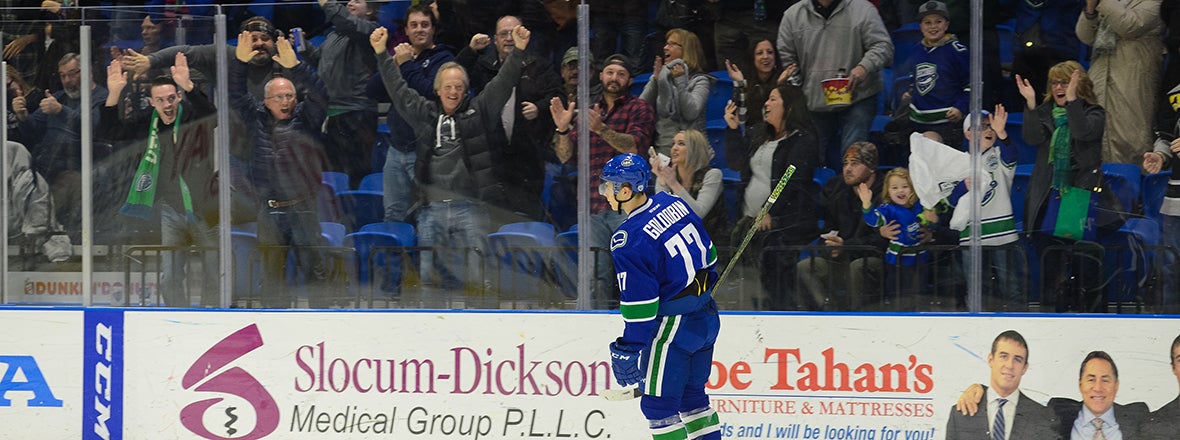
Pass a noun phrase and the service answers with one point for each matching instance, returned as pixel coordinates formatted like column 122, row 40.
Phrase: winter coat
column 679, row 103
column 1127, row 79
column 287, row 157
column 476, row 120
column 1086, row 122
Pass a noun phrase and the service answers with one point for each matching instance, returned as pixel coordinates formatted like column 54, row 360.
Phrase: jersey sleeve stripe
column 639, row 310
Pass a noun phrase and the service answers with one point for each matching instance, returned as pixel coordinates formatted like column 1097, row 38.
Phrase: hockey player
column 664, row 261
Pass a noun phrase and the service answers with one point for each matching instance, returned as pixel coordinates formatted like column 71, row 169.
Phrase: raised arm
column 408, row 102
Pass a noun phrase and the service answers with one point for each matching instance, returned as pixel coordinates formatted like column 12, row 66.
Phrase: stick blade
column 621, row 394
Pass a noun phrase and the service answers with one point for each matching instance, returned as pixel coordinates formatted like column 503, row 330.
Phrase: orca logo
column 33, row 382
column 143, row 183
column 618, row 240
column 211, row 373
column 925, row 76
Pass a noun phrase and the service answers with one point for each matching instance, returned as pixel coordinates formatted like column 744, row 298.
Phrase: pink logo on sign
column 234, row 382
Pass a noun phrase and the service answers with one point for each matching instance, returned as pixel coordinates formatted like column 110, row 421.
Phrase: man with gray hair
column 58, row 124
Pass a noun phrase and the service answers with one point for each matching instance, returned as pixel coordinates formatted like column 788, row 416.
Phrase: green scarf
column 142, row 195
column 1059, row 150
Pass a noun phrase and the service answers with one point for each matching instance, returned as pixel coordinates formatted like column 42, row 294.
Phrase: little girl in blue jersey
column 902, row 208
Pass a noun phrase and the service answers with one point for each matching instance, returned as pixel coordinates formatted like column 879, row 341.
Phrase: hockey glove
column 624, row 361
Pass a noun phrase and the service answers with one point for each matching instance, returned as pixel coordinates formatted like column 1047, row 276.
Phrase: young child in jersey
column 1002, row 267
column 902, row 208
column 941, row 77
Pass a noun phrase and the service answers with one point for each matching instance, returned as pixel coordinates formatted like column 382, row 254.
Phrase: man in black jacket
column 286, row 165
column 859, row 271
column 1164, row 423
column 524, row 135
column 176, row 177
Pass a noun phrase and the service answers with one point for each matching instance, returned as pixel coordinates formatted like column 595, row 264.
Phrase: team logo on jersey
column 143, row 183
column 991, row 162
column 925, row 75
column 618, row 240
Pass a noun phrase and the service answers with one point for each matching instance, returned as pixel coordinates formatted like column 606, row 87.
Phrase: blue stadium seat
column 1127, row 262
column 639, row 82
column 519, row 263
column 1124, row 179
column 883, row 104
column 249, row 227
column 1026, row 154
column 715, row 132
column 1006, row 35
column 328, row 205
column 376, row 254
column 907, row 41
column 565, row 263
column 337, row 180
column 719, row 95
column 901, row 84
column 544, row 233
column 373, row 182
column 822, row 174
column 1019, row 192
column 403, row 231
column 247, row 263
column 1154, row 187
column 333, row 233
column 730, row 181
column 359, row 208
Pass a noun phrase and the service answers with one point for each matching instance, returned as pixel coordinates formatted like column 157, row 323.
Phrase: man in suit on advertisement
column 1164, row 422
column 1097, row 417
column 1009, row 414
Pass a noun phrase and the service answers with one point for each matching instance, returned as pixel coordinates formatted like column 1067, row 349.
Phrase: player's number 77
column 632, row 392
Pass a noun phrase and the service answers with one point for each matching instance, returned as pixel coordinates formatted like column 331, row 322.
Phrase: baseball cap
column 863, row 152
column 618, row 59
column 570, row 55
column 933, row 7
column 967, row 120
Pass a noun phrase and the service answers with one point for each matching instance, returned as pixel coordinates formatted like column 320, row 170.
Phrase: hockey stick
column 778, row 190
column 620, row 394
column 631, row 392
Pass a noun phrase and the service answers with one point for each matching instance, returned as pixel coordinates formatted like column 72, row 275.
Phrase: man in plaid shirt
column 619, row 123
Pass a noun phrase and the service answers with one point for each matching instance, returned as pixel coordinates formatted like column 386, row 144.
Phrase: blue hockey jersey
column 911, row 224
column 942, row 81
column 664, row 263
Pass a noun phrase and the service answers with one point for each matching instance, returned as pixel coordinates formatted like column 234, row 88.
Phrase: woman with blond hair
column 689, row 176
column 679, row 87
column 1067, row 129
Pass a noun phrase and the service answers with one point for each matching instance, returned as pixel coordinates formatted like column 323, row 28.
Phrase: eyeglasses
column 283, row 97
column 673, row 43
column 1058, row 83
column 504, row 33
column 70, row 73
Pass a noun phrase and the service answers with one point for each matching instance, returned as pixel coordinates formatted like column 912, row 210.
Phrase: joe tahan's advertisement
column 507, row 375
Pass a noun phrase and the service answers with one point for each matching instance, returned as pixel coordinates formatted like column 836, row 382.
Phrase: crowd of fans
column 481, row 129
